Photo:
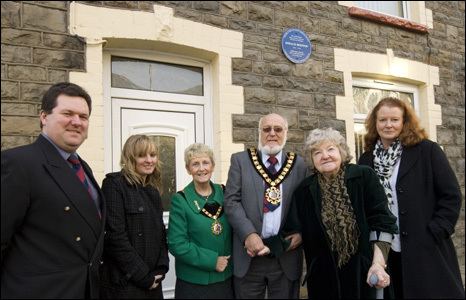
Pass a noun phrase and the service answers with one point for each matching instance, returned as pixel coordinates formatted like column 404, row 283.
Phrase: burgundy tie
column 271, row 168
column 79, row 171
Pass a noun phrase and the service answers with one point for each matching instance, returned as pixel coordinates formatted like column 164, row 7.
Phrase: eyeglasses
column 269, row 129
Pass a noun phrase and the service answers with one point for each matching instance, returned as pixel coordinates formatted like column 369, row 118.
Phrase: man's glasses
column 269, row 129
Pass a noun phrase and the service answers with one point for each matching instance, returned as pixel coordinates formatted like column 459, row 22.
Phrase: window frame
column 166, row 98
column 405, row 7
column 185, row 63
column 386, row 85
column 394, row 86
column 157, row 56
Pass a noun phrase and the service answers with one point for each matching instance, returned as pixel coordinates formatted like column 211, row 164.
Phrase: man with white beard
column 266, row 260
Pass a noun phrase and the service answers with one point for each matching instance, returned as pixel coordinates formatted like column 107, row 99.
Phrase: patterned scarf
column 384, row 163
column 338, row 216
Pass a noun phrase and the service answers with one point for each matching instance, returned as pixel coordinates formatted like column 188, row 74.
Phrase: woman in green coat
column 344, row 220
column 199, row 236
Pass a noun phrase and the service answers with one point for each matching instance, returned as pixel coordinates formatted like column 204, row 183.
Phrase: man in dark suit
column 257, row 200
column 52, row 208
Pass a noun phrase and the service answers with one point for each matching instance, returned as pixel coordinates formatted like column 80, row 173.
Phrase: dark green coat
column 191, row 241
column 369, row 202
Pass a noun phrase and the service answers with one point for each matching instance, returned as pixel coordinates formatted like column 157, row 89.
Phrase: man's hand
column 222, row 263
column 253, row 244
column 296, row 240
column 264, row 251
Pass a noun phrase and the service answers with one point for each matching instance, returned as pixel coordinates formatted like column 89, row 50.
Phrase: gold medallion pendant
column 272, row 195
column 216, row 227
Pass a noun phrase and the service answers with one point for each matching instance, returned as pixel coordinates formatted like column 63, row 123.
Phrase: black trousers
column 218, row 290
column 396, row 276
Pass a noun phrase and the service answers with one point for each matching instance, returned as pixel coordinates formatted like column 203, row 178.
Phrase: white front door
column 173, row 126
column 167, row 97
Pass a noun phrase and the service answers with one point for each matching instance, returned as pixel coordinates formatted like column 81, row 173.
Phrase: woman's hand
column 383, row 278
column 296, row 240
column 222, row 263
column 157, row 279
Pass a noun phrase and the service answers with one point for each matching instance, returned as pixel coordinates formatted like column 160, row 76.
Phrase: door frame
column 109, row 93
column 182, row 178
column 139, row 96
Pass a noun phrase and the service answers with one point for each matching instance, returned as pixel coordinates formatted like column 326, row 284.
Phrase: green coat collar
column 195, row 202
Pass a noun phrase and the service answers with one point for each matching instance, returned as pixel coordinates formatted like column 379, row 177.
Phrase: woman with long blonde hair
column 135, row 250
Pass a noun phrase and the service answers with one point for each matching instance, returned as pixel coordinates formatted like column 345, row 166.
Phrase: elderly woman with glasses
column 199, row 236
column 344, row 220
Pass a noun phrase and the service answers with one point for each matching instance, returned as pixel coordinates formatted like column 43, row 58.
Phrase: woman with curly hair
column 423, row 193
column 344, row 220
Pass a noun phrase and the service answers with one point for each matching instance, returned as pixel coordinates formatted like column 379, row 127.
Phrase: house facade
column 206, row 71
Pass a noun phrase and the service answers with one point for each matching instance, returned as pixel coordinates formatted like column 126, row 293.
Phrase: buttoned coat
column 369, row 202
column 52, row 236
column 244, row 195
column 429, row 202
column 191, row 240
column 135, row 242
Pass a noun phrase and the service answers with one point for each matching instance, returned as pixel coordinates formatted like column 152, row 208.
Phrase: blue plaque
column 296, row 45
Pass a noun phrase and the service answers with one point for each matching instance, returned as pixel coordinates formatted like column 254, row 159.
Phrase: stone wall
column 305, row 93
column 446, row 46
column 38, row 51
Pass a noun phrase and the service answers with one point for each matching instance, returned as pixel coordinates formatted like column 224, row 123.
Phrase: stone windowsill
column 362, row 13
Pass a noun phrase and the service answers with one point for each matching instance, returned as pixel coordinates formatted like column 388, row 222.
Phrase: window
column 393, row 8
column 366, row 94
column 139, row 74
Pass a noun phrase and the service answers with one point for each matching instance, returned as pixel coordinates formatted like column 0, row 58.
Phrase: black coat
column 52, row 237
column 429, row 202
column 369, row 202
column 135, row 243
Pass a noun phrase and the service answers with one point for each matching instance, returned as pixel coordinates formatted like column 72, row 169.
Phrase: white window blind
column 394, row 8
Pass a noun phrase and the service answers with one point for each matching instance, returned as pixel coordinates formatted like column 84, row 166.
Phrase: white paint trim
column 159, row 31
column 387, row 67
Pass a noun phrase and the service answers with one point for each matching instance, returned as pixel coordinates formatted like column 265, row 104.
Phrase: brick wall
column 38, row 51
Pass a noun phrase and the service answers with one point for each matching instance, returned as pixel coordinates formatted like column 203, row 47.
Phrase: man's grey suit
column 244, row 194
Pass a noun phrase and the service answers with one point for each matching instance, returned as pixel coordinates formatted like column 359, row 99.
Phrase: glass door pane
column 147, row 75
column 167, row 150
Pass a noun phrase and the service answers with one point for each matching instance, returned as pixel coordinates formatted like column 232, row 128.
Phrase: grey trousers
column 265, row 277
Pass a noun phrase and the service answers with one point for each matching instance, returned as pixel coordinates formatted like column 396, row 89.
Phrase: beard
column 271, row 150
